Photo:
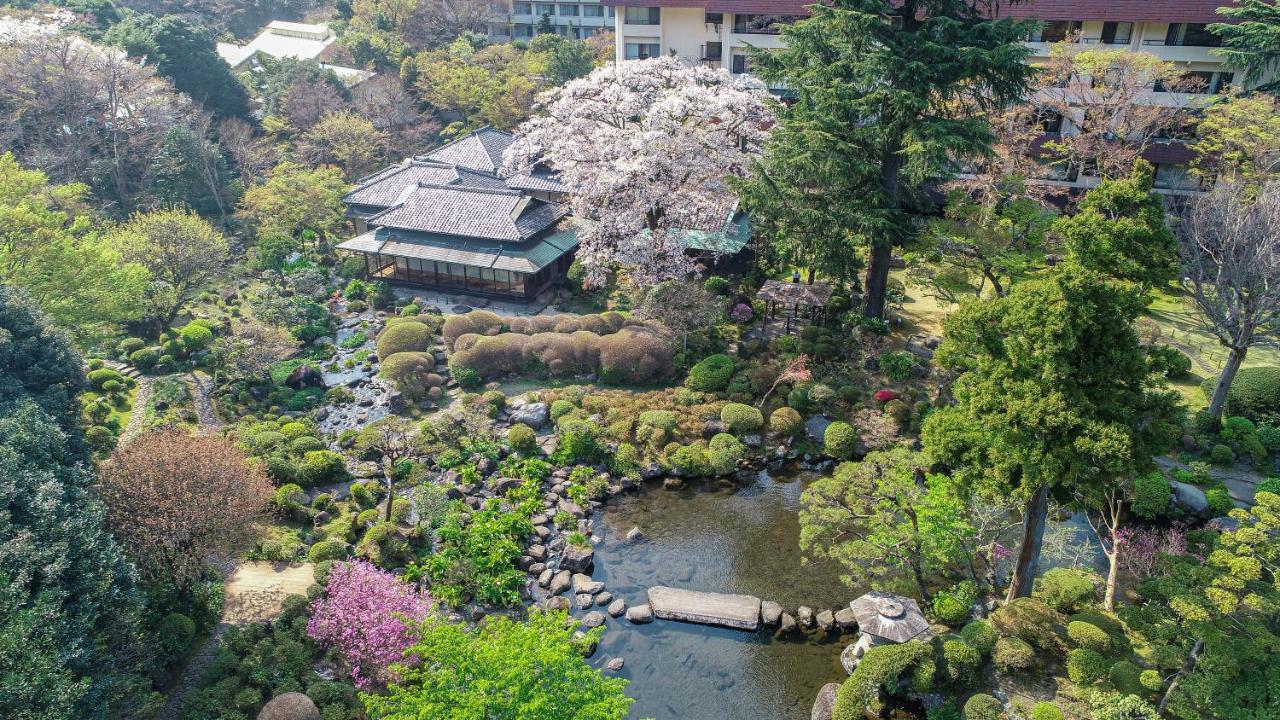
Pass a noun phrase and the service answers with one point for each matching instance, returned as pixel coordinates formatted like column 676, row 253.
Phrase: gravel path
column 139, row 413
column 201, row 391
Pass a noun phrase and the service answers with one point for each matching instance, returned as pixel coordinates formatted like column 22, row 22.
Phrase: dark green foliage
column 37, row 364
column 949, row 610
column 1221, row 454
column 1120, row 230
column 717, row 285
column 190, row 170
column 1151, row 495
column 897, row 365
column 980, row 635
column 1169, row 362
column 1251, row 41
column 840, row 440
column 959, row 661
column 1085, row 666
column 1029, row 619
column 1066, row 590
column 185, row 54
column 175, row 633
column 1011, row 653
column 321, row 466
column 1242, row 435
column 711, row 374
column 982, row 707
column 521, row 439
column 477, row 556
column 1254, row 394
column 880, row 668
column 1219, row 500
column 1125, row 677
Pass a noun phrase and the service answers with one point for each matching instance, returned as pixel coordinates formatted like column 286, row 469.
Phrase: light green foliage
column 1151, row 495
column 1085, row 666
column 522, row 439
column 1012, row 653
column 691, row 460
column 1124, row 676
column 1151, row 681
column 982, row 707
column 1119, row 230
column 840, row 440
column 959, row 661
column 477, row 557
column 981, row 636
column 949, row 610
column 182, row 251
column 403, row 337
column 880, row 667
column 723, row 454
column 560, row 408
column 1029, row 619
column 1238, row 136
column 1066, row 590
column 327, row 550
column 1046, row 711
column 538, row 665
column 1254, row 393
column 321, row 466
column 742, row 419
column 1088, row 636
column 1242, row 435
column 711, row 374
column 295, row 198
column 786, row 422
column 195, row 336
column 897, row 365
column 861, row 517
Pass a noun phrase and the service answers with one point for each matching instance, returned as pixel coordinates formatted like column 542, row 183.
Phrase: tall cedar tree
column 69, row 607
column 1252, row 42
column 887, row 96
column 1053, row 392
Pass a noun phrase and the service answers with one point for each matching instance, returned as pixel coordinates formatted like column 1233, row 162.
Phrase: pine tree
column 887, row 96
column 1253, row 43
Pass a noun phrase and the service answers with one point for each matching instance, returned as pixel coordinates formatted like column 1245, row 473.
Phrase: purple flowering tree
column 369, row 615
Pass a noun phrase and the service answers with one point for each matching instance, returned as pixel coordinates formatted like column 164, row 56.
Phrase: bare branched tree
column 434, row 23
column 1231, row 268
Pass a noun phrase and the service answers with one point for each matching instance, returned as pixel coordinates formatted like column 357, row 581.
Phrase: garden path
column 1241, row 482
column 201, row 389
column 138, row 417
column 254, row 592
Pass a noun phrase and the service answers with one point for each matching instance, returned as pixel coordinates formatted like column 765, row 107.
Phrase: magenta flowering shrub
column 369, row 616
column 741, row 313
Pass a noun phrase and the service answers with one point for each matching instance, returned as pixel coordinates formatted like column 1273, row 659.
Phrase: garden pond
column 733, row 539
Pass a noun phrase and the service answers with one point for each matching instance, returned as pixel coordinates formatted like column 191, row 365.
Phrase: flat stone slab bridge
column 741, row 612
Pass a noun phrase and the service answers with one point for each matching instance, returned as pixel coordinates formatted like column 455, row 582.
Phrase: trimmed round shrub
column 981, row 636
column 741, row 419
column 821, row 394
column 321, row 466
column 268, row 440
column 1085, row 666
column 716, row 285
column 290, row 496
column 723, row 454
column 711, row 374
column 636, row 355
column 560, row 408
column 1222, row 455
column 323, row 502
column 1030, row 619
column 1151, row 681
column 144, row 359
column 521, row 438
column 410, row 372
column 401, row 509
column 949, row 610
column 1124, row 676
column 840, row 440
column 281, row 469
column 325, row 550
column 1219, row 500
column 690, row 460
column 798, row 398
column 112, row 386
column 403, row 337
column 1254, row 393
column 960, row 660
column 1168, row 361
column 664, row 420
column 786, row 421
column 1066, row 590
column 1011, row 653
column 128, row 346
column 494, row 398
column 195, row 337
column 410, row 310
column 294, row 430
column 100, row 438
column 175, row 633
column 1046, row 711
column 100, row 377
column 479, row 322
column 1151, row 495
column 305, row 444
column 1088, row 636
column 982, row 707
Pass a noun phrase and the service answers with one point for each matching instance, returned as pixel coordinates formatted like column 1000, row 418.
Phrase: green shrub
column 1151, row 495
column 786, row 421
column 306, row 444
column 128, row 346
column 840, row 440
column 1066, row 590
column 100, row 438
column 960, row 661
column 144, row 359
column 100, row 377
column 1241, row 434
column 1125, row 677
column 324, row 550
column 1271, row 485
column 290, row 496
column 174, row 634
column 356, row 289
column 401, row 509
column 821, row 395
column 522, row 439
column 363, row 494
column 467, row 378
column 1269, row 437
column 880, row 668
column 716, row 285
column 1167, row 361
column 626, row 459
column 1045, row 711
column 664, row 420
column 410, row 310
column 195, row 337
column 1254, row 393
column 321, row 466
column 403, row 337
column 1151, row 681
column 982, row 707
column 1088, row 636
column 1012, row 653
column 897, row 365
column 981, row 636
column 711, row 374
column 949, row 611
column 899, row 411
column 281, row 469
column 1030, row 619
column 690, row 460
column 294, row 430
column 1219, row 500
column 798, row 398
column 741, row 419
column 1085, row 666
column 560, row 408
column 724, row 454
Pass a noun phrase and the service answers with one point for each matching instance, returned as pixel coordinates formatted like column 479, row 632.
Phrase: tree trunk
column 1187, row 668
column 391, row 497
column 1033, row 520
column 882, row 248
column 918, row 572
column 1219, row 401
column 813, row 275
column 1113, row 571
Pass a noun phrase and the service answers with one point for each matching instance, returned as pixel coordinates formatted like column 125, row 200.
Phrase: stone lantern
column 884, row 618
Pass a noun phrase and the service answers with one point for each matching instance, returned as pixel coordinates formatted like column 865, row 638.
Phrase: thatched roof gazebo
column 290, row 706
column 795, row 296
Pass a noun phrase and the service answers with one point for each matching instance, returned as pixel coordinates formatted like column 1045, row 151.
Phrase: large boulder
column 824, row 705
column 535, row 415
column 304, row 376
column 577, row 559
column 290, row 706
column 1190, row 497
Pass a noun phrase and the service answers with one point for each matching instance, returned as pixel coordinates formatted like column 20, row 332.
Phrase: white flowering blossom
column 646, row 147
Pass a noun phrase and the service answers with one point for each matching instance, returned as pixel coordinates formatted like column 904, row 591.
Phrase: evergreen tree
column 1253, row 43
column 192, row 171
column 880, row 107
column 69, row 608
column 187, row 55
column 1053, row 392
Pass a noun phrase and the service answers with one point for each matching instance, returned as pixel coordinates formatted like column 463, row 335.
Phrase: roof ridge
column 469, row 188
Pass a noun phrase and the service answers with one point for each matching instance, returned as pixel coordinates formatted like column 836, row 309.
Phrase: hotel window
column 1117, row 33
column 522, row 8
column 760, row 24
column 1191, row 34
column 569, row 10
column 545, row 9
column 1056, row 31
column 642, row 51
column 714, row 18
column 522, row 30
column 592, row 11
column 712, row 51
column 643, row 16
column 739, row 64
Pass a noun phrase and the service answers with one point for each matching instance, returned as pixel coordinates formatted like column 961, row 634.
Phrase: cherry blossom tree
column 368, row 615
column 646, row 147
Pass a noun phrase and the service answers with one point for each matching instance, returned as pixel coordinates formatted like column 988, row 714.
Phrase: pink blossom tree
column 646, row 147
column 369, row 615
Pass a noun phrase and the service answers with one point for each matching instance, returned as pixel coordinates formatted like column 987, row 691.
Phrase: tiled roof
column 470, row 212
column 538, row 179
column 1195, row 11
column 481, row 150
column 750, row 7
column 528, row 258
column 384, row 188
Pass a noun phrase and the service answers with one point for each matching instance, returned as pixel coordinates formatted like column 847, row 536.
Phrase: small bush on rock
column 724, row 454
column 981, row 636
column 742, row 419
column 1151, row 681
column 840, row 440
column 786, row 422
column 522, row 439
column 321, row 466
column 949, row 610
column 560, row 408
column 691, row 460
column 1151, row 495
column 144, row 359
column 331, row 549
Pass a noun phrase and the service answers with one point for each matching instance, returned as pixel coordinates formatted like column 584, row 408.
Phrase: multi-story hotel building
column 719, row 32
column 522, row 20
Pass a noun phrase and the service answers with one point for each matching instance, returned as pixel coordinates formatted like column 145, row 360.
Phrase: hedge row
column 482, row 322
column 636, row 354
